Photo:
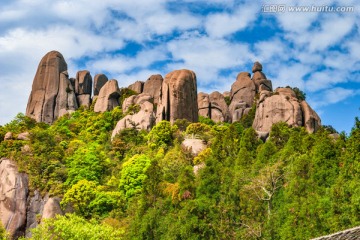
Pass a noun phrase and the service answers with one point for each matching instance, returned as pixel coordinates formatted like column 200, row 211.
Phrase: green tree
column 133, row 175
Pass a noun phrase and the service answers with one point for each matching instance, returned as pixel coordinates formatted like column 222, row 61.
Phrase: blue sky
column 319, row 52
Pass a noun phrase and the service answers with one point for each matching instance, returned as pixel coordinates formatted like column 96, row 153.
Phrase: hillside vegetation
column 142, row 185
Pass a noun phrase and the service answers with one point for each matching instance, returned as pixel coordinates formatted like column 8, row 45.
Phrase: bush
column 161, row 135
column 71, row 226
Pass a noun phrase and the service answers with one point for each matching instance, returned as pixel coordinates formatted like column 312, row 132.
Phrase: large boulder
column 137, row 86
column 204, row 104
column 51, row 208
column 143, row 119
column 312, row 121
column 152, row 86
column 99, row 81
column 83, row 82
column 283, row 106
column 108, row 97
column 13, row 196
column 242, row 95
column 83, row 88
column 219, row 108
column 178, row 99
column 49, row 93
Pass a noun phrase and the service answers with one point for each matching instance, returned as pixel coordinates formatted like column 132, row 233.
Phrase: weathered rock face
column 283, row 106
column 204, row 104
column 13, row 195
column 243, row 93
column 144, row 119
column 152, row 86
column 137, row 86
column 83, row 88
column 39, row 209
column 35, row 208
column 312, row 121
column 219, row 108
column 99, row 82
column 66, row 100
column 108, row 97
column 178, row 99
column 52, row 208
column 50, row 77
column 83, row 82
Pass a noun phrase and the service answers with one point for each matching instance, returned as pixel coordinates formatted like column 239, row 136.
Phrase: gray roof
column 348, row 234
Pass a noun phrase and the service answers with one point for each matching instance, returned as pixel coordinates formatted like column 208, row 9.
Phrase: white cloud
column 333, row 96
column 219, row 25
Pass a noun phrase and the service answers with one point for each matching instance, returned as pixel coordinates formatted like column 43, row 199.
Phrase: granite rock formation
column 152, row 86
column 13, row 196
column 137, row 86
column 144, row 119
column 83, row 88
column 108, row 97
column 283, row 106
column 204, row 105
column 178, row 99
column 99, row 82
column 51, row 90
column 242, row 96
column 219, row 108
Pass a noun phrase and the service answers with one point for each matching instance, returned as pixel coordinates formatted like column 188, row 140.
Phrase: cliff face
column 174, row 97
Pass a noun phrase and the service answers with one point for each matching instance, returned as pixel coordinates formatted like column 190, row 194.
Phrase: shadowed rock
column 178, row 99
column 312, row 121
column 99, row 82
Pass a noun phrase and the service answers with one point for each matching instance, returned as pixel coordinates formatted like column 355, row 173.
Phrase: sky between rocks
column 129, row 40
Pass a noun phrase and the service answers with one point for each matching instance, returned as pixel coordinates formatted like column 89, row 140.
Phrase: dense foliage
column 142, row 185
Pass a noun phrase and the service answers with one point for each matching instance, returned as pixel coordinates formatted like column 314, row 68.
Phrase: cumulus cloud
column 314, row 51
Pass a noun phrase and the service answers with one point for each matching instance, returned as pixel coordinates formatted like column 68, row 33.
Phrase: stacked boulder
column 259, row 78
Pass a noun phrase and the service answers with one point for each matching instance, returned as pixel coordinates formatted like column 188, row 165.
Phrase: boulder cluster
column 173, row 97
column 281, row 105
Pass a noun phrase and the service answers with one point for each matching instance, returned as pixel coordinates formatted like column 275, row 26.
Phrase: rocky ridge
column 174, row 97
